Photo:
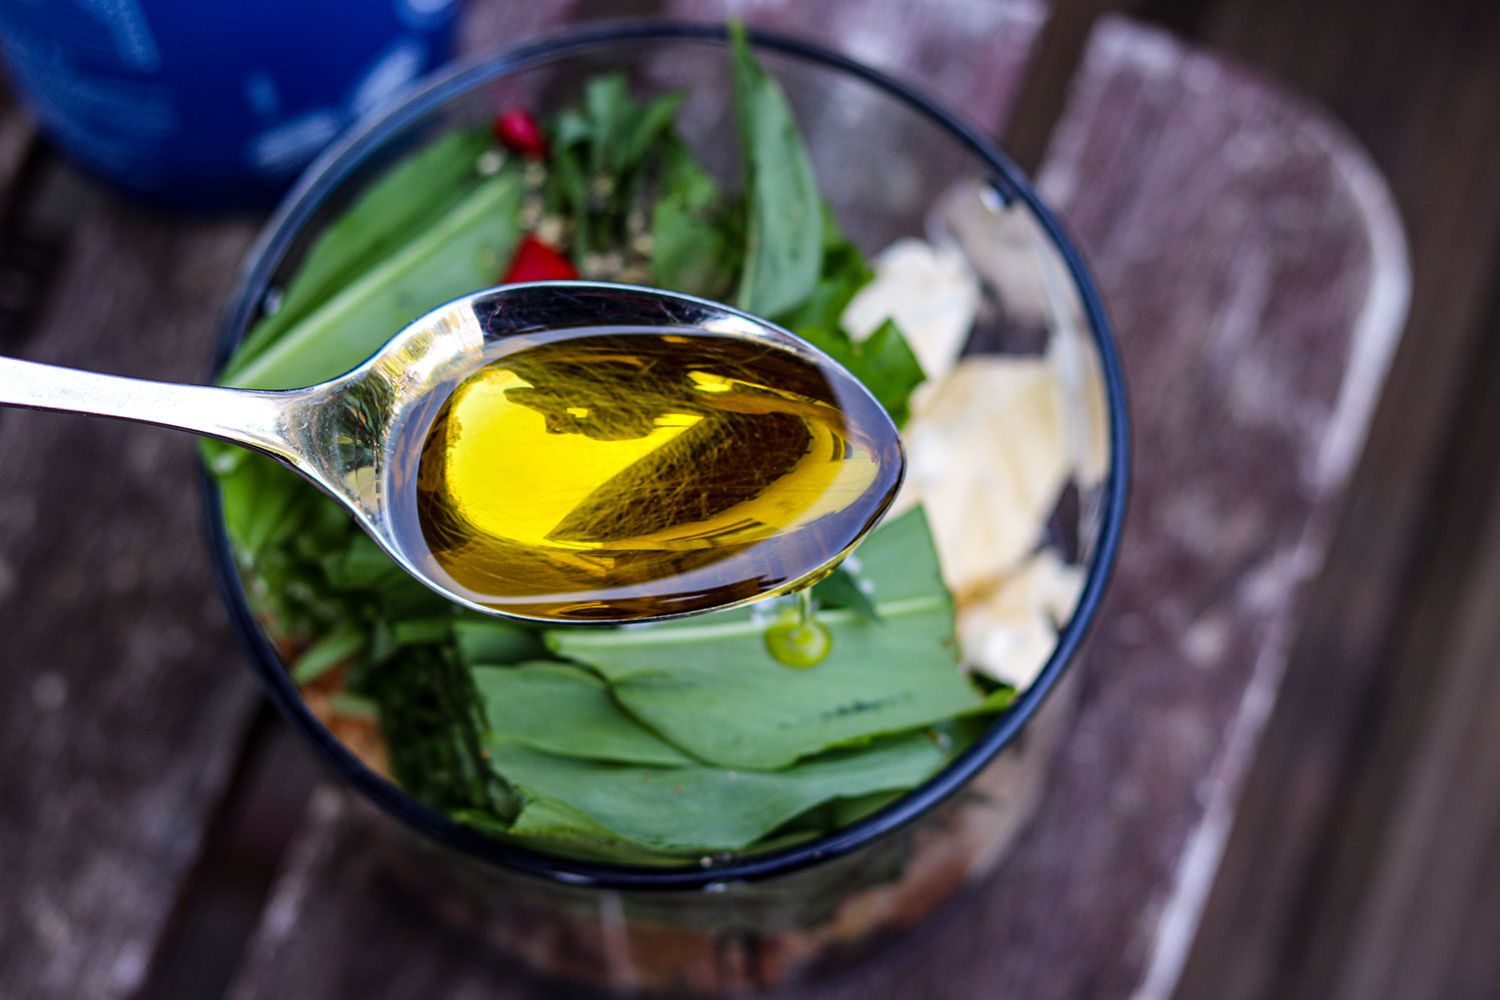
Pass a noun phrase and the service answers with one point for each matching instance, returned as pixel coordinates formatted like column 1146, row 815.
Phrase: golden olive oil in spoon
column 565, row 451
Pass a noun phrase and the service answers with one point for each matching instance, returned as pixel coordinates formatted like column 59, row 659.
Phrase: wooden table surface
column 162, row 835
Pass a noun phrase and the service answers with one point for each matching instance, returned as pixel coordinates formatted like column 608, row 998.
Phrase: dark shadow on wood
column 244, row 846
column 1315, row 883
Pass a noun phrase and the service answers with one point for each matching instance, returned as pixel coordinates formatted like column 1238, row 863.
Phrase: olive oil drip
column 797, row 639
column 610, row 475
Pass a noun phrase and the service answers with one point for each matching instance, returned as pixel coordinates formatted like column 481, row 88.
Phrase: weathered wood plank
column 336, row 926
column 495, row 25
column 971, row 54
column 124, row 699
column 1256, row 274
column 122, row 696
column 1309, row 854
column 1419, row 874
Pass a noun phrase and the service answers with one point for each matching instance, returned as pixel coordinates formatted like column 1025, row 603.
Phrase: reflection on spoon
column 565, row 451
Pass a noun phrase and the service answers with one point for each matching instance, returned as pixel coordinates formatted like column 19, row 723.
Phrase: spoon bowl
column 357, row 437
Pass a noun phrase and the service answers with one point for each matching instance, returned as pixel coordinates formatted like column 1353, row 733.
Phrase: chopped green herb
column 641, row 745
column 708, row 685
column 564, row 710
column 784, row 218
column 337, row 647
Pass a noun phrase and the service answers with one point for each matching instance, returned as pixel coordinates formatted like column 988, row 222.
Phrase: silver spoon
column 342, row 434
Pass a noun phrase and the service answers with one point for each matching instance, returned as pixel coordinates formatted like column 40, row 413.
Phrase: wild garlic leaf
column 565, row 710
column 338, row 646
column 550, row 825
column 485, row 641
column 841, row 589
column 690, row 243
column 843, row 272
column 600, row 162
column 619, row 129
column 461, row 251
column 709, row 686
column 884, row 361
column 360, row 564
column 784, row 211
column 694, row 810
column 264, row 503
column 888, row 367
column 392, row 211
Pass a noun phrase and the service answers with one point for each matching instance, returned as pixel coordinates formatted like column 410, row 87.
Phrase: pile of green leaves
column 646, row 744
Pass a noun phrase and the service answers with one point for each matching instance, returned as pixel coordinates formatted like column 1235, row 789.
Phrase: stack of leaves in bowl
column 680, row 740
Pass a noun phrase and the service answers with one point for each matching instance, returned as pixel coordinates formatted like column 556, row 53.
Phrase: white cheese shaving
column 986, row 457
column 932, row 294
column 1009, row 632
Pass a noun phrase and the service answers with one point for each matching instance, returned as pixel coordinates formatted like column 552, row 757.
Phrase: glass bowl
column 893, row 163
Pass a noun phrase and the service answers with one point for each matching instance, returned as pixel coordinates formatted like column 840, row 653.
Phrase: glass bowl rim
column 330, row 170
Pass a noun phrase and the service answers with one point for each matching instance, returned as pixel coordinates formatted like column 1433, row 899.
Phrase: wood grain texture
column 970, row 54
column 1255, row 274
column 122, row 696
column 1421, row 88
column 491, row 26
column 124, row 699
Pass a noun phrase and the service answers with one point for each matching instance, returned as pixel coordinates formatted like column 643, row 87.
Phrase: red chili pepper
column 517, row 130
column 536, row 261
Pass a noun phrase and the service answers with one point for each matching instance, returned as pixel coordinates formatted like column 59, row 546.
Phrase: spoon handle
column 243, row 416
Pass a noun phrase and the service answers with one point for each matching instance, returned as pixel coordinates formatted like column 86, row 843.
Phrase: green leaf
column 884, row 361
column 339, row 646
column 360, row 565
column 402, row 597
column 345, row 703
column 784, row 212
column 567, row 711
column 264, row 503
column 844, row 272
column 848, row 811
column 709, row 686
column 841, row 589
column 392, row 211
column 428, row 631
column 490, row 641
column 888, row 367
column 550, row 825
column 696, row 810
column 462, row 251
column 641, row 133
column 601, row 160
column 691, row 249
column 617, row 131
column 431, row 719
